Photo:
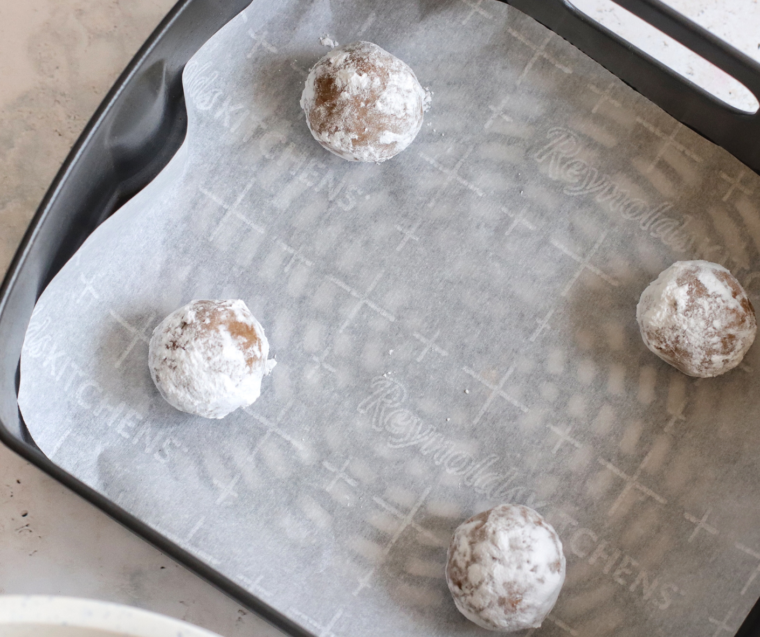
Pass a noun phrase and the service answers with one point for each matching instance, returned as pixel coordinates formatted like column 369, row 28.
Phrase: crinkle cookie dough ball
column 505, row 568
column 697, row 317
column 208, row 358
column 362, row 103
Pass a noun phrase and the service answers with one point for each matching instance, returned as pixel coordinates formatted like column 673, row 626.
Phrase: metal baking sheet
column 453, row 328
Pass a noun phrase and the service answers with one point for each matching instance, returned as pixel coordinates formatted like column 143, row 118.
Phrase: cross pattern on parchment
column 340, row 474
column 186, row 542
column 295, row 256
column 324, row 630
column 475, row 7
column 254, row 585
column 517, row 219
column 604, row 96
column 259, row 40
column 756, row 571
column 321, row 364
column 677, row 416
column 559, row 623
column 563, row 437
column 668, row 141
column 539, row 51
column 363, row 300
column 273, row 428
column 138, row 334
column 735, row 184
column 631, row 482
column 496, row 391
column 585, row 263
column 722, row 626
column 452, row 174
column 226, row 490
column 542, row 325
column 429, row 344
column 701, row 524
column 498, row 112
column 88, row 288
column 231, row 210
column 406, row 520
column 408, row 235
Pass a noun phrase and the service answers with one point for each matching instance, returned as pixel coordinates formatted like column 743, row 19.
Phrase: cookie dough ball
column 505, row 568
column 208, row 358
column 362, row 103
column 697, row 317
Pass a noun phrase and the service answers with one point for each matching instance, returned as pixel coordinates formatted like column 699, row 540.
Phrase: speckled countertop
column 58, row 59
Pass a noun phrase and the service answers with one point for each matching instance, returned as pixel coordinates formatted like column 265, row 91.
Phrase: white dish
column 46, row 616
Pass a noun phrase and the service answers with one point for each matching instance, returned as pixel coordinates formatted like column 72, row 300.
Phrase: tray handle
column 735, row 130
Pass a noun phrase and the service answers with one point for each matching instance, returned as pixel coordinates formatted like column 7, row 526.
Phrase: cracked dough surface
column 505, row 568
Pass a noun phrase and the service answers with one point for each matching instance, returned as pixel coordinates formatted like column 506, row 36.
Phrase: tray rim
column 566, row 21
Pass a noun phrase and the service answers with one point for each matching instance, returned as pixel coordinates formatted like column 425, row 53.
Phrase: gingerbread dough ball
column 697, row 317
column 208, row 358
column 505, row 568
column 362, row 103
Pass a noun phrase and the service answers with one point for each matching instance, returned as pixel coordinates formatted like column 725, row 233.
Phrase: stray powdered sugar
column 362, row 103
column 505, row 568
column 427, row 101
column 697, row 317
column 208, row 358
column 326, row 40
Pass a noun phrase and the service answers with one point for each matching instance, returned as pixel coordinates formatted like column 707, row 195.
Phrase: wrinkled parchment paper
column 454, row 328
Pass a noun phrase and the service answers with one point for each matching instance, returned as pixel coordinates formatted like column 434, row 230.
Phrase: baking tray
column 142, row 122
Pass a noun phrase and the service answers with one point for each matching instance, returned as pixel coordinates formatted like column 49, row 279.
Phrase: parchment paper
column 454, row 328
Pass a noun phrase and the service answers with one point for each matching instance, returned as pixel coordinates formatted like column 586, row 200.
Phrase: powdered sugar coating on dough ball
column 208, row 358
column 362, row 103
column 505, row 568
column 697, row 317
